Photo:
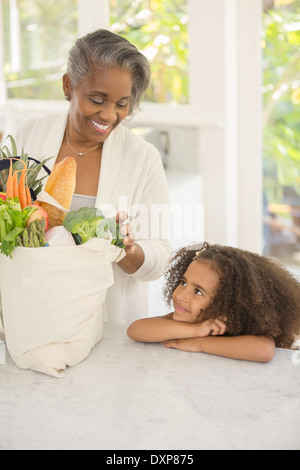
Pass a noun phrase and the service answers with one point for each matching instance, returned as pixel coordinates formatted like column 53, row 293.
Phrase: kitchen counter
column 129, row 395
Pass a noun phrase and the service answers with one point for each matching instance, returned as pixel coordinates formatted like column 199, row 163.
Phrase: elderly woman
column 116, row 169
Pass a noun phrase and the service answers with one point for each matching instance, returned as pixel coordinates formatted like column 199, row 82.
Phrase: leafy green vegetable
column 83, row 223
column 12, row 223
column 87, row 223
column 9, row 241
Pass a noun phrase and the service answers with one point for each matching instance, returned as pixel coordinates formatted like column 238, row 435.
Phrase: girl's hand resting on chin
column 211, row 327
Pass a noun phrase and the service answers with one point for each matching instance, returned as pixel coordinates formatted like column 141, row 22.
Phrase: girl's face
column 98, row 104
column 195, row 291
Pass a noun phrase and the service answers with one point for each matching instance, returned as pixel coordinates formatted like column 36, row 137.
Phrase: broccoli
column 87, row 223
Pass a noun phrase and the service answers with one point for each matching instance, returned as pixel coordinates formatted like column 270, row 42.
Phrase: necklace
column 81, row 154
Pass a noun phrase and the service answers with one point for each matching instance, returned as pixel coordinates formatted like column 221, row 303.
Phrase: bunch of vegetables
column 25, row 224
column 21, row 222
column 19, row 227
column 28, row 227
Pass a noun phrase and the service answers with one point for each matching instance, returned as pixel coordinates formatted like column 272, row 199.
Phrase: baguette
column 61, row 186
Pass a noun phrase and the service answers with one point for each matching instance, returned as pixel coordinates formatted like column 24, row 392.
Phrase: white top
column 79, row 200
column 132, row 179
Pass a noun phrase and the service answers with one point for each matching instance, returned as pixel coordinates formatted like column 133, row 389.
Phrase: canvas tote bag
column 52, row 303
column 2, row 339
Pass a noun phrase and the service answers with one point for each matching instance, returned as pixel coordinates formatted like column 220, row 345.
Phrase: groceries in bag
column 84, row 224
column 62, row 264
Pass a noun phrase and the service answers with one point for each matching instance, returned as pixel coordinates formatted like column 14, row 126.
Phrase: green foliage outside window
column 281, row 95
column 37, row 39
column 39, row 34
column 158, row 28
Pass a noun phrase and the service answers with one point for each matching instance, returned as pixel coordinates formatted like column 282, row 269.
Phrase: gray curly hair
column 102, row 49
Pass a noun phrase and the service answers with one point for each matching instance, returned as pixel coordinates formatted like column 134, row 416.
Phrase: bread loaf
column 61, row 186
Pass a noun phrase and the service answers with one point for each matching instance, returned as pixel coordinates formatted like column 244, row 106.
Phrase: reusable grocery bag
column 2, row 342
column 52, row 303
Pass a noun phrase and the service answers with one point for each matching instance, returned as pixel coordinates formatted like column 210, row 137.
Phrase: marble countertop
column 129, row 395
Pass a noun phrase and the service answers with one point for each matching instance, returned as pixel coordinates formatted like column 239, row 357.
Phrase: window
column 37, row 38
column 159, row 28
column 281, row 128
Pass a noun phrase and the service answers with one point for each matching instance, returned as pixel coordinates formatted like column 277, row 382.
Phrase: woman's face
column 98, row 104
column 195, row 291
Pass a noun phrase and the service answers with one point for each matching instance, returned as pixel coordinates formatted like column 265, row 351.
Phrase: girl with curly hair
column 228, row 302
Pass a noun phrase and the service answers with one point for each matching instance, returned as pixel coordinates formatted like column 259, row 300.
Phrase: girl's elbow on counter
column 130, row 331
column 266, row 350
column 134, row 331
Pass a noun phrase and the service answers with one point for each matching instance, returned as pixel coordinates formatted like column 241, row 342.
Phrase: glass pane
column 281, row 131
column 159, row 29
column 37, row 39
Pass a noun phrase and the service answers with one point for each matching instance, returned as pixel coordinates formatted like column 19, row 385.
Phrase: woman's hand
column 134, row 254
column 126, row 232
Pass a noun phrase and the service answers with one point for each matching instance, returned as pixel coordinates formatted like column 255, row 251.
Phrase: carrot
column 28, row 196
column 15, row 185
column 22, row 188
column 9, row 183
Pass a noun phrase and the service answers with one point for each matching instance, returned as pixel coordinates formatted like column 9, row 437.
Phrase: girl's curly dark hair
column 256, row 294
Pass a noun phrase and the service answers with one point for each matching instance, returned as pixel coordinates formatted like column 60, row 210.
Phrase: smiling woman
column 105, row 80
column 117, row 170
column 96, row 52
column 98, row 105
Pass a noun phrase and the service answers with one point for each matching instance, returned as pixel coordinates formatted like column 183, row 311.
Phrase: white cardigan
column 132, row 179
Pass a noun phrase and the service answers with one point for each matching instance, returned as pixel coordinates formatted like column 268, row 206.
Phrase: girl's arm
column 160, row 329
column 247, row 348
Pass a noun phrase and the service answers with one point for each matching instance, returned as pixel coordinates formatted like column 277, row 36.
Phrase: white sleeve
column 157, row 257
column 154, row 199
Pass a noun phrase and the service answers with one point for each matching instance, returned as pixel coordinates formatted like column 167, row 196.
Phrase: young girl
column 227, row 302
